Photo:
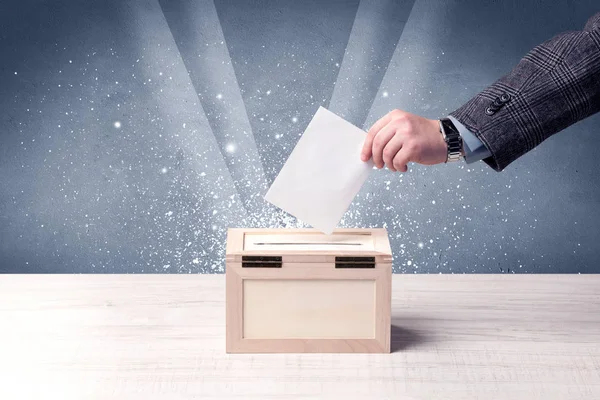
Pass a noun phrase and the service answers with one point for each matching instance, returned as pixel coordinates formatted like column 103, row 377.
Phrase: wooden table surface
column 162, row 336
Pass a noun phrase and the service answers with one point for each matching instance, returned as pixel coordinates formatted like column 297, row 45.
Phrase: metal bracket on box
column 355, row 262
column 261, row 261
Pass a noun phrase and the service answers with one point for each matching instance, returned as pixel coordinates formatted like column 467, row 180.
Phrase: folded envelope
column 323, row 173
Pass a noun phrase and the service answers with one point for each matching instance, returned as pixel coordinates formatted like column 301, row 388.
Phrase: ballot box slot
column 261, row 261
column 354, row 262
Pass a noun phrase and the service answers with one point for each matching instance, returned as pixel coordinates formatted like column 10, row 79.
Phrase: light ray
column 197, row 31
column 377, row 28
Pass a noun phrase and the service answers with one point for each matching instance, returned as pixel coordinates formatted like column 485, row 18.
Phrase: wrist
column 438, row 146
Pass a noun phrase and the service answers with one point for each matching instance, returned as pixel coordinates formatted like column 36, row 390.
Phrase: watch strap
column 452, row 138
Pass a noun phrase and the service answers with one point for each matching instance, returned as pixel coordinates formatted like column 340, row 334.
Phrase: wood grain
column 163, row 336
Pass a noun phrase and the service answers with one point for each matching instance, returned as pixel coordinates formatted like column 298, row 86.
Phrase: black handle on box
column 261, row 261
column 355, row 262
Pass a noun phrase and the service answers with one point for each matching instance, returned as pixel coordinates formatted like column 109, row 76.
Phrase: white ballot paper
column 323, row 173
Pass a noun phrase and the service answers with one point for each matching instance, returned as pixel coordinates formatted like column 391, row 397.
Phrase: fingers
column 390, row 151
column 380, row 142
column 367, row 150
column 401, row 159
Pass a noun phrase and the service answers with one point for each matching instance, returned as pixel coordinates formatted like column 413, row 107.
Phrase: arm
column 553, row 86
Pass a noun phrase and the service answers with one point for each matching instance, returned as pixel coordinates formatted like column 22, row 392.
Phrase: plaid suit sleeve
column 553, row 86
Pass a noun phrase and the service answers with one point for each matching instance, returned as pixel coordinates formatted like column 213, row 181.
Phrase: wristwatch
column 452, row 138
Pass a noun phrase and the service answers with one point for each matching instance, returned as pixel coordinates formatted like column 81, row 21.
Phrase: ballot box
column 302, row 291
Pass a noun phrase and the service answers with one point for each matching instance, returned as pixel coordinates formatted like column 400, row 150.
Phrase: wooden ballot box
column 301, row 291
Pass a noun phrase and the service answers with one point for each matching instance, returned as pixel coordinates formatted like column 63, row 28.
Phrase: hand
column 400, row 137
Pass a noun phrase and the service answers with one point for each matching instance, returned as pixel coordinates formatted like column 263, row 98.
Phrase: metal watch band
column 452, row 138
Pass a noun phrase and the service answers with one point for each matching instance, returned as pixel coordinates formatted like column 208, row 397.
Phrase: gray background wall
column 210, row 98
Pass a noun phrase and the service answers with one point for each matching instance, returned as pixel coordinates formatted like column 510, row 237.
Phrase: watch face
column 449, row 127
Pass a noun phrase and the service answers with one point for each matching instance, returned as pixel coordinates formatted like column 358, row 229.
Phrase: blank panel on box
column 308, row 309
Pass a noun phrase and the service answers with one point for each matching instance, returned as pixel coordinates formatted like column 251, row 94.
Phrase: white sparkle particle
column 385, row 94
column 15, row 72
column 164, row 170
column 196, row 261
column 409, row 262
column 432, row 201
column 219, row 96
column 230, row 148
column 117, row 124
column 268, row 92
column 420, row 245
column 294, row 119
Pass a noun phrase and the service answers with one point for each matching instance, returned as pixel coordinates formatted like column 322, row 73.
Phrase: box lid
column 308, row 245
